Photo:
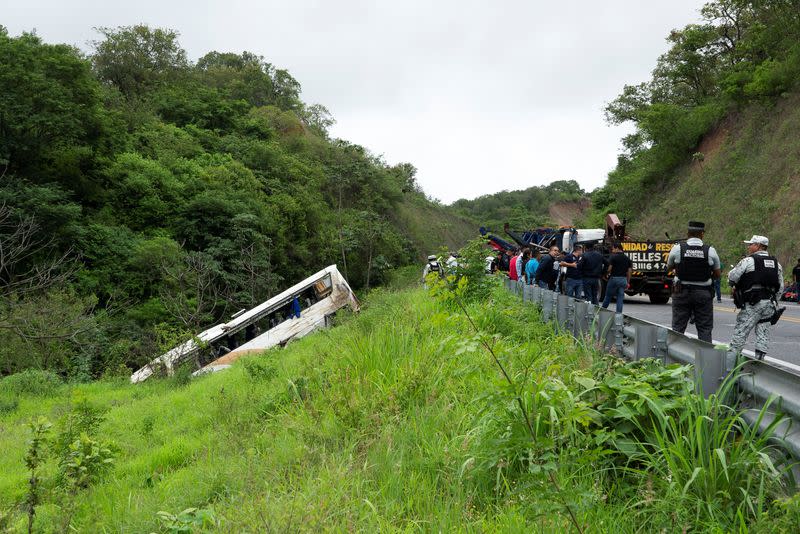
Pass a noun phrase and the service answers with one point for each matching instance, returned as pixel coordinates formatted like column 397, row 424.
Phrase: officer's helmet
column 432, row 257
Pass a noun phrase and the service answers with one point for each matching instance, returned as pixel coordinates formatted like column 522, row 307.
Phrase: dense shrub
column 31, row 382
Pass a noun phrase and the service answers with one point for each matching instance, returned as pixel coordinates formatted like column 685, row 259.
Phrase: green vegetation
column 524, row 209
column 747, row 184
column 464, row 412
column 144, row 193
column 716, row 131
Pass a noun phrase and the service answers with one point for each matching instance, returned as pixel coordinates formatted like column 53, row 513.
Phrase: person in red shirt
column 512, row 267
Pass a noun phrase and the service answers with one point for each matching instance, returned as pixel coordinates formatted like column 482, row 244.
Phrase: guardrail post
column 570, row 322
column 660, row 348
column 710, row 366
column 581, row 325
column 591, row 314
column 526, row 293
column 562, row 310
column 619, row 324
column 641, row 339
column 554, row 298
column 604, row 327
column 547, row 306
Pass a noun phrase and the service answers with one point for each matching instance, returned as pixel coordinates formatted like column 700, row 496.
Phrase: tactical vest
column 694, row 266
column 434, row 266
column 761, row 283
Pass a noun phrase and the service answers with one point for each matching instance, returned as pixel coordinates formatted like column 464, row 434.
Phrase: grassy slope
column 365, row 426
column 749, row 183
column 431, row 227
column 391, row 421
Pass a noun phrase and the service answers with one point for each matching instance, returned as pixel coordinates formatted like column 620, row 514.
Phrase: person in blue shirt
column 531, row 266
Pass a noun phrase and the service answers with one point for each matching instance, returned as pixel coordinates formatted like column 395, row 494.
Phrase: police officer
column 696, row 265
column 756, row 280
column 431, row 267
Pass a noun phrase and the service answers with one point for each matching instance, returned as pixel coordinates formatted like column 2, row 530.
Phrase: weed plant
column 399, row 419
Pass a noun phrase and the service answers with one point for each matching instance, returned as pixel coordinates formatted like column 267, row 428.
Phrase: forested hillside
column 143, row 195
column 717, row 131
column 527, row 208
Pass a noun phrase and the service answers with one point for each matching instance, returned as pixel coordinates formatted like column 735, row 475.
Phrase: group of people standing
column 584, row 267
column 757, row 281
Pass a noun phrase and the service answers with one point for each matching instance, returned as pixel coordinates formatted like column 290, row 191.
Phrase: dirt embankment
column 743, row 180
column 565, row 213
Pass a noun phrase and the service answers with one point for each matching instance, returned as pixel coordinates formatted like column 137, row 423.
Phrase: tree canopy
column 171, row 193
column 742, row 51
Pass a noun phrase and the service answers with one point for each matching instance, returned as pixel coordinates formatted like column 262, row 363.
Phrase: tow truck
column 649, row 257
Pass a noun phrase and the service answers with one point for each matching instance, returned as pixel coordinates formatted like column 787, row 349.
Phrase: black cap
column 698, row 226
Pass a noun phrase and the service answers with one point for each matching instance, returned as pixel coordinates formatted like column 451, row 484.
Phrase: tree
column 248, row 77
column 318, row 118
column 687, row 73
column 50, row 110
column 27, row 265
column 134, row 59
column 192, row 289
column 39, row 314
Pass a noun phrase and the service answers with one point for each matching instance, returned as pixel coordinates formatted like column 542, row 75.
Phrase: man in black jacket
column 591, row 270
column 546, row 274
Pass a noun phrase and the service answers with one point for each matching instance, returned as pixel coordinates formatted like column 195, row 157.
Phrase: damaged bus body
column 301, row 309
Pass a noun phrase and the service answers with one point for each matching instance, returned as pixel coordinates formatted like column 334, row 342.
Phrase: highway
column 784, row 346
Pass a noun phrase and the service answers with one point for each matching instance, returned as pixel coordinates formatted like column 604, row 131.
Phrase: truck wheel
column 659, row 298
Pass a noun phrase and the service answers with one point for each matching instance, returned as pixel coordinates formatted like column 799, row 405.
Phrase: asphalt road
column 784, row 343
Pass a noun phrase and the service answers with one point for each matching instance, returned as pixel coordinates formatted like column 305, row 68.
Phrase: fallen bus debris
column 274, row 322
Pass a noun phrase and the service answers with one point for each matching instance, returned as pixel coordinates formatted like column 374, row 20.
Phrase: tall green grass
column 395, row 420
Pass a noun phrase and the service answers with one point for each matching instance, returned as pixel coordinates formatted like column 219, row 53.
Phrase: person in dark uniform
column 696, row 266
column 591, row 267
column 546, row 273
column 574, row 277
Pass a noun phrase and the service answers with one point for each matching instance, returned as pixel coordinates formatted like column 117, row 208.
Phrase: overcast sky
column 479, row 96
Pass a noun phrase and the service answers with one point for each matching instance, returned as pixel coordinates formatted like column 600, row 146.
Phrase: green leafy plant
column 85, row 417
column 710, row 460
column 530, row 434
column 36, row 455
column 187, row 520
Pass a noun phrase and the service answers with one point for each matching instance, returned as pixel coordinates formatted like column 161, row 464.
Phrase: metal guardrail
column 635, row 339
